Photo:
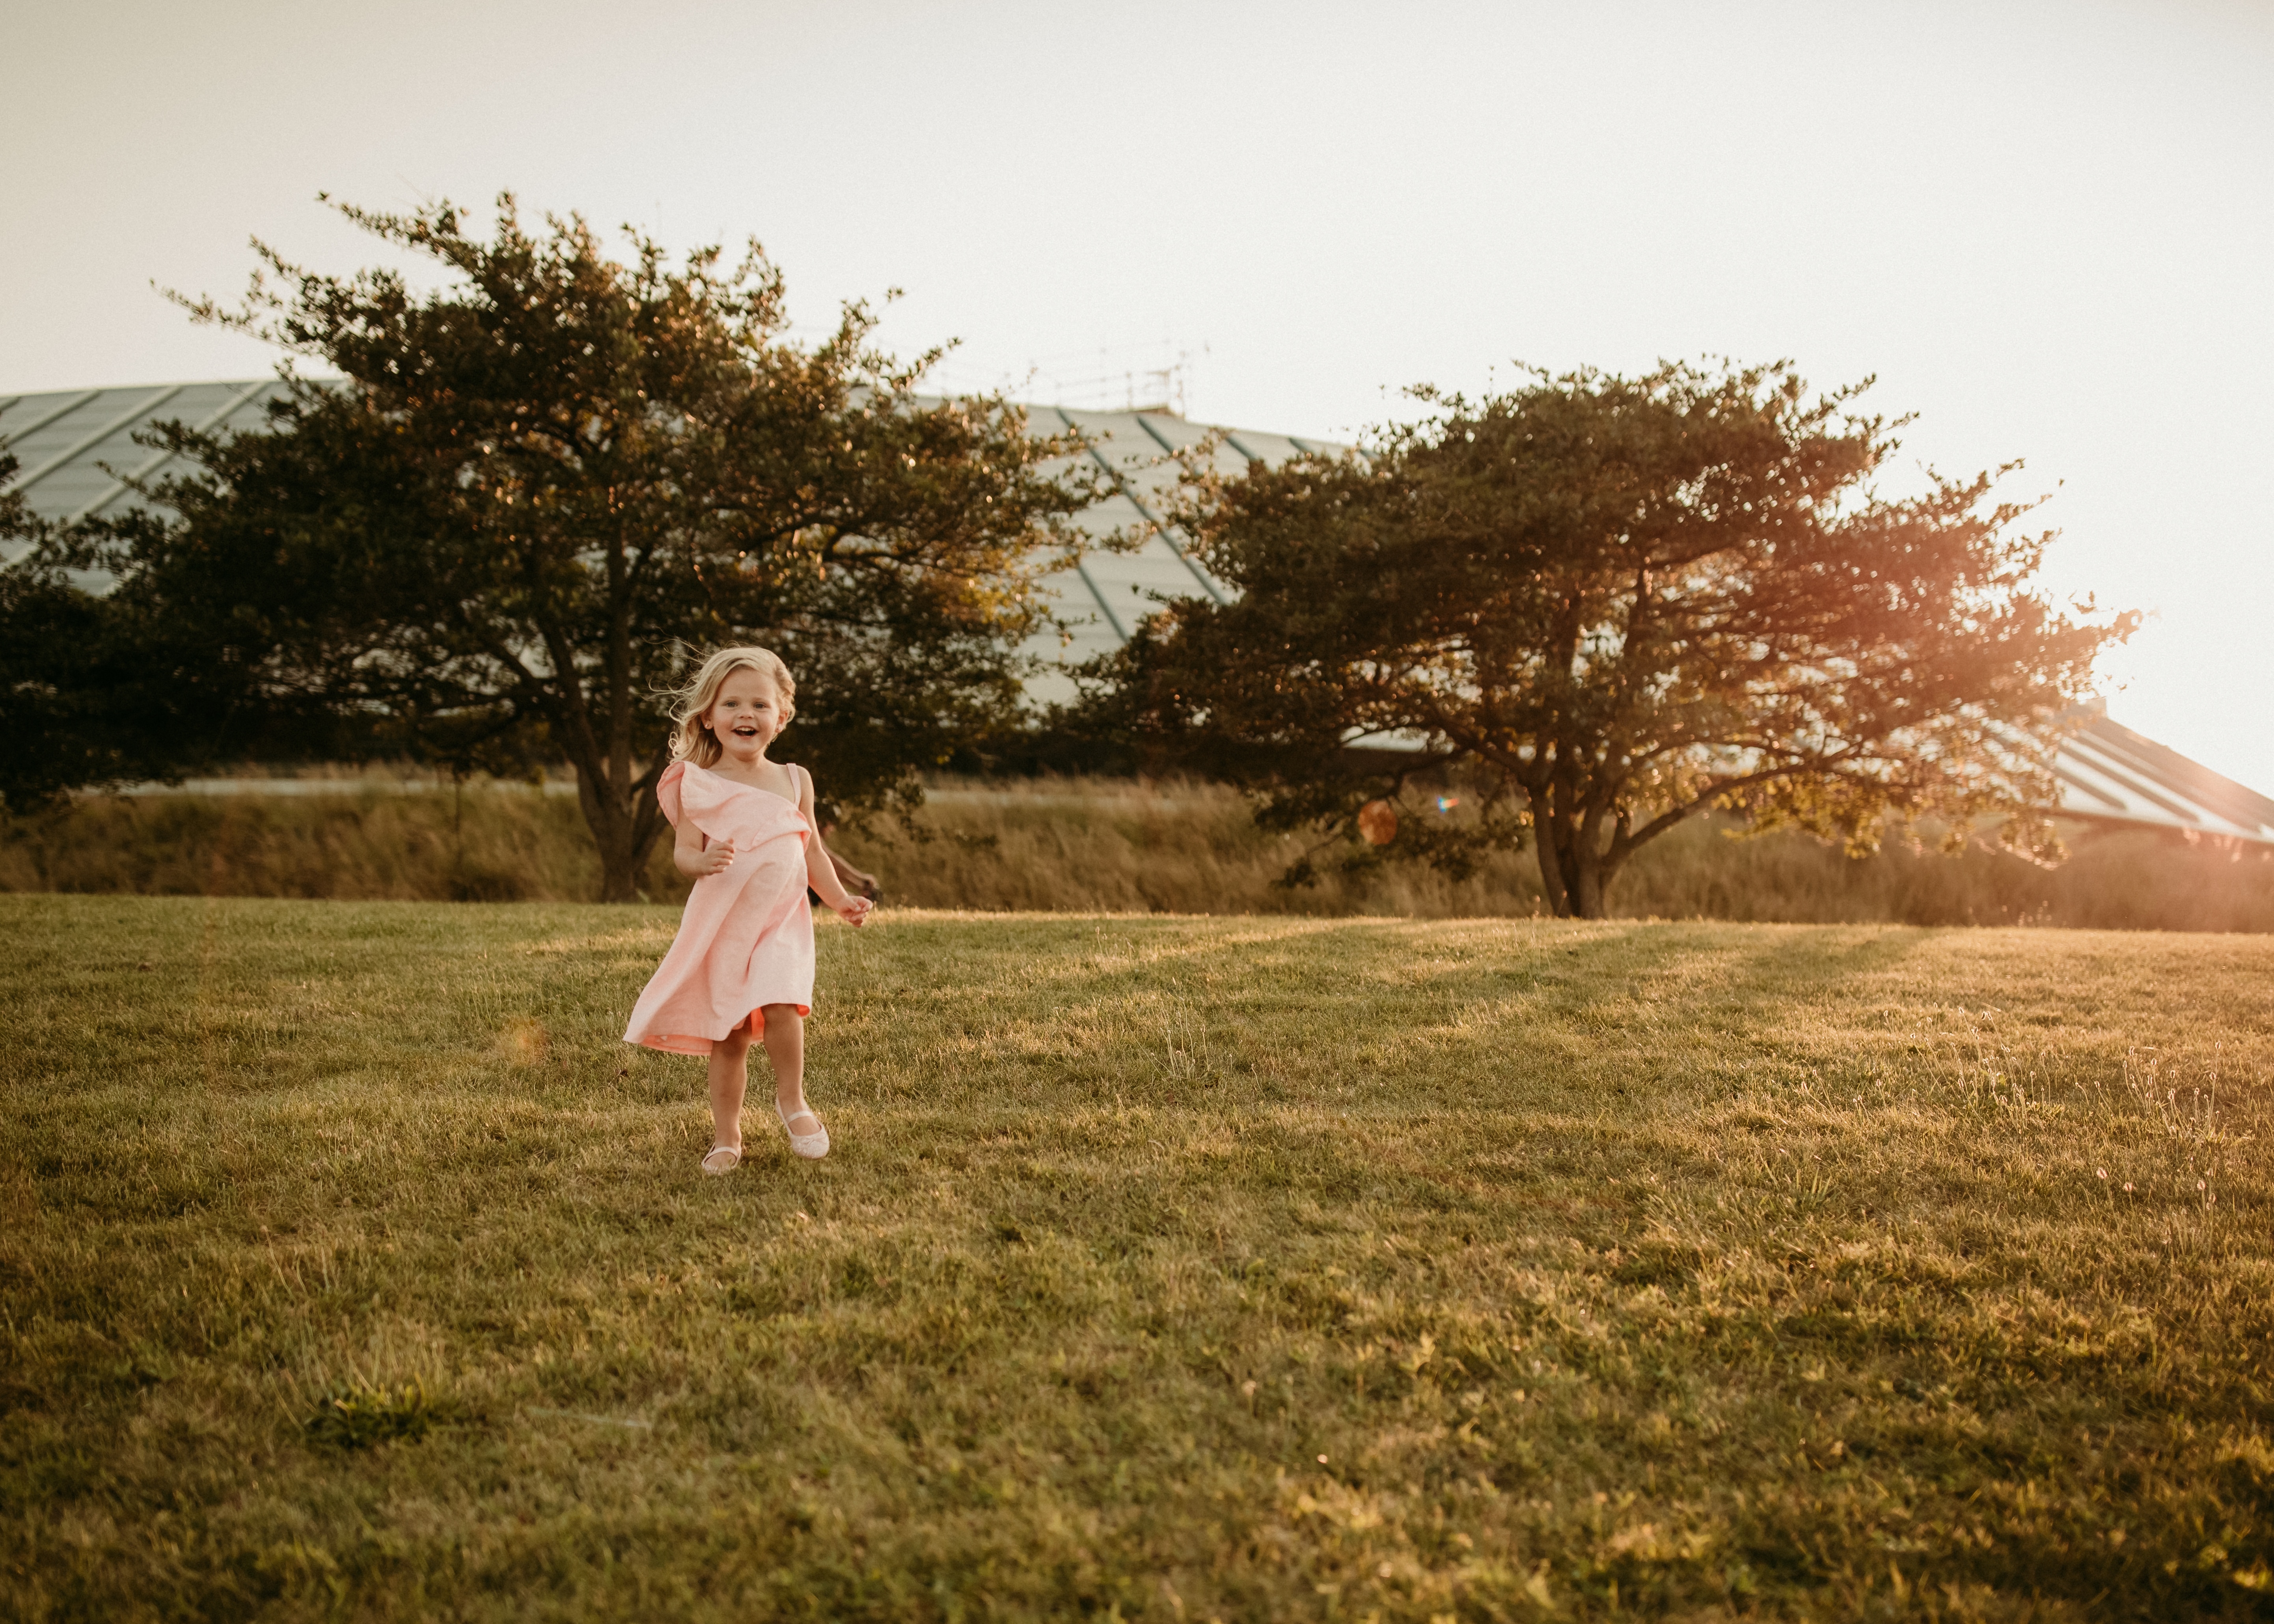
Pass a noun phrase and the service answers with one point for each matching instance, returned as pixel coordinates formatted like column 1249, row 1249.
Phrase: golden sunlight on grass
column 1239, row 1268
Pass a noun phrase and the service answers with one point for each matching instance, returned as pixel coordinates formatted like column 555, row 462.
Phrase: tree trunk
column 1551, row 868
column 1587, row 892
column 621, row 834
column 1574, row 877
column 1540, row 801
column 620, row 867
column 1583, row 869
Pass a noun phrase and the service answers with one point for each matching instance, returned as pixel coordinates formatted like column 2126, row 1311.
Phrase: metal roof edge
column 2234, row 802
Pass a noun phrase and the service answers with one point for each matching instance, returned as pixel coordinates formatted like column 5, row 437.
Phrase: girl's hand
column 855, row 911
column 714, row 860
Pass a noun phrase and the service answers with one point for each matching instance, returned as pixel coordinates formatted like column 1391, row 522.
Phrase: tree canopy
column 76, row 707
column 44, row 744
column 539, row 488
column 1614, row 604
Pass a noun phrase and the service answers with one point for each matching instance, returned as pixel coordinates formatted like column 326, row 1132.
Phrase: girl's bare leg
column 785, row 1038
column 785, row 1041
column 730, row 1077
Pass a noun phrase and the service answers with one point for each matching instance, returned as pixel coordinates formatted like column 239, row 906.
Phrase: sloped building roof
column 2110, row 774
column 75, row 449
column 1104, row 596
column 78, row 453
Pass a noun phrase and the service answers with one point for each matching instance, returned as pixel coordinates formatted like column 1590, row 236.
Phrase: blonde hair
column 690, row 741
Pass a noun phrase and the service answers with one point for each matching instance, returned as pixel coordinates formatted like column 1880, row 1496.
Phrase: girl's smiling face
column 746, row 716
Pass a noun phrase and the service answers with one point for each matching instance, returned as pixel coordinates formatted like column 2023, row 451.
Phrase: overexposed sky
column 2047, row 228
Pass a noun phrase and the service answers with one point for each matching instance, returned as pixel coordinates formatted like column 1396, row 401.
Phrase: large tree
column 544, row 484
column 47, row 636
column 99, row 689
column 1613, row 603
column 76, row 706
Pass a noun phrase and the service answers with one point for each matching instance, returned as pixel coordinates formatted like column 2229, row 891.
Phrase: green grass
column 1167, row 1268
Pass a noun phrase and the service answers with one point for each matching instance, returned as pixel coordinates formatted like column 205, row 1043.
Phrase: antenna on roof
column 1132, row 379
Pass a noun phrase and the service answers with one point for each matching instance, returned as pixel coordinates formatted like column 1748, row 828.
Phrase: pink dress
column 746, row 939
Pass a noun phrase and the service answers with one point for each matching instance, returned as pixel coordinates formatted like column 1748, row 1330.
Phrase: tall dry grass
column 1084, row 846
column 1073, row 845
column 370, row 839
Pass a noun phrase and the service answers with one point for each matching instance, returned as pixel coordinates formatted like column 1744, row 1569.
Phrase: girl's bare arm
column 693, row 858
column 820, row 873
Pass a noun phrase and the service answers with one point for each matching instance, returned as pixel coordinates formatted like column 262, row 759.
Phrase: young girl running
column 742, row 966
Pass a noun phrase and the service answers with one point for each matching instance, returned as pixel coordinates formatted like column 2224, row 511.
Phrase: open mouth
column 746, row 730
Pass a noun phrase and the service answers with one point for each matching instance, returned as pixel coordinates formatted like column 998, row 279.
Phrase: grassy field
column 1090, row 845
column 1167, row 1268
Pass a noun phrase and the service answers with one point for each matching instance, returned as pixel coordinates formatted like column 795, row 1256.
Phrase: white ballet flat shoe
column 812, row 1146
column 720, row 1160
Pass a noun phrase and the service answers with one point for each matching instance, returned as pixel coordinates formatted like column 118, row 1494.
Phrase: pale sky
column 2047, row 228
